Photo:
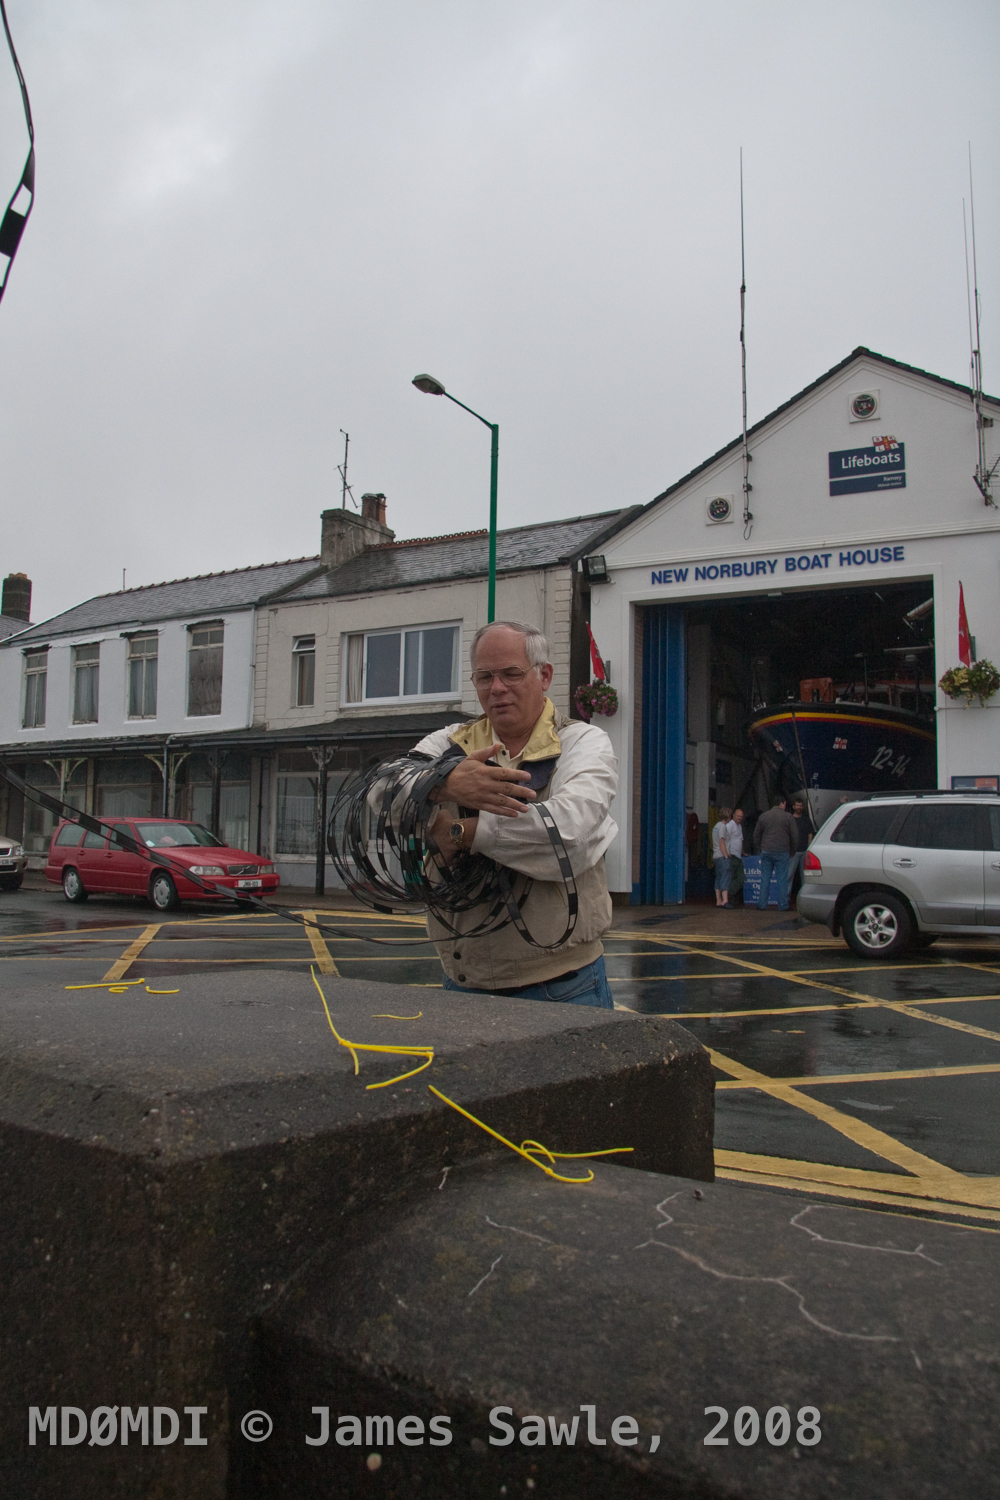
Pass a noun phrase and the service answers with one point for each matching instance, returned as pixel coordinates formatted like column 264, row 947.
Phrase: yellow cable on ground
column 427, row 1053
column 116, row 986
column 384, row 1016
column 527, row 1149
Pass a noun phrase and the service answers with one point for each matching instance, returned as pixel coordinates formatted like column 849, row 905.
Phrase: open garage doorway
column 826, row 691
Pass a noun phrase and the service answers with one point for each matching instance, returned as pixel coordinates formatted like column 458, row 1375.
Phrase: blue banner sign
column 854, row 470
column 794, row 562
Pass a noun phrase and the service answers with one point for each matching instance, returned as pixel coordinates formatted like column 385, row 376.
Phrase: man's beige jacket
column 584, row 779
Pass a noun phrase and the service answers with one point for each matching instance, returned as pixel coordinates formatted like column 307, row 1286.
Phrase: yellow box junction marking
column 122, row 965
column 322, row 954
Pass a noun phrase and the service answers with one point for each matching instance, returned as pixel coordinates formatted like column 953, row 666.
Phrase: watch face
column 457, row 830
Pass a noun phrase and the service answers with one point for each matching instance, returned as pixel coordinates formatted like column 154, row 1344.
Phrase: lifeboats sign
column 880, row 467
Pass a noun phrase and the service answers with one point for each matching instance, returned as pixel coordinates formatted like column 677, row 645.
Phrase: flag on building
column 964, row 641
column 595, row 657
column 885, row 444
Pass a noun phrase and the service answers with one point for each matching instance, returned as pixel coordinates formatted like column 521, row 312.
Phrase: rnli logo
column 864, row 405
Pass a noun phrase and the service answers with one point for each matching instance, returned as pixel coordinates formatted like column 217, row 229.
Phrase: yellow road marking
column 812, row 1081
column 324, row 958
column 858, row 1131
column 858, row 1195
column 122, row 965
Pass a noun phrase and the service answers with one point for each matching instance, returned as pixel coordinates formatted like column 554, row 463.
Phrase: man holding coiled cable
column 522, row 750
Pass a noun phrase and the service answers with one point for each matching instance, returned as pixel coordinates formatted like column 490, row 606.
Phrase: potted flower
column 596, row 698
column 981, row 681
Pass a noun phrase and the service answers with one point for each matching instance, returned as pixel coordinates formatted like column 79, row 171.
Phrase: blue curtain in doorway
column 664, row 737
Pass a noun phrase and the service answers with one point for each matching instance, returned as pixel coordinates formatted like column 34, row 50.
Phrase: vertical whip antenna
column 747, row 486
column 984, row 473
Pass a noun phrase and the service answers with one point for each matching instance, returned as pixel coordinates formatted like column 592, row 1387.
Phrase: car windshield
column 175, row 835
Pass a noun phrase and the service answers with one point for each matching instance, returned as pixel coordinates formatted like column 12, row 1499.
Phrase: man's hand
column 495, row 789
column 439, row 829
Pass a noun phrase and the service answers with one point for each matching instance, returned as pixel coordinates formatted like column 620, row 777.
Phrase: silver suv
column 893, row 873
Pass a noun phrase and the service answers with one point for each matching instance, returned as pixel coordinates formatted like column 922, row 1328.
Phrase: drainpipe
column 166, row 776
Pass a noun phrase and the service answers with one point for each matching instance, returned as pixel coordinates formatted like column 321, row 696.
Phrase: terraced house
column 235, row 698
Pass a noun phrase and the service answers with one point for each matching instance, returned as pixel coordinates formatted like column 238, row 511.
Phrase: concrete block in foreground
column 170, row 1164
column 636, row 1297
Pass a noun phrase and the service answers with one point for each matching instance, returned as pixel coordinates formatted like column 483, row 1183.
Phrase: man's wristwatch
column 457, row 834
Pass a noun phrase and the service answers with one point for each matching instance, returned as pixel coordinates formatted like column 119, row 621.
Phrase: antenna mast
column 747, row 486
column 345, row 488
column 984, row 474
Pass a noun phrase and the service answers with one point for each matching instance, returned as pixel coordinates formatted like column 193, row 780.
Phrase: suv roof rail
column 942, row 791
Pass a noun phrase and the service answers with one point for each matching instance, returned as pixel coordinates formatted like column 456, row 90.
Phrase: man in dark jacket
column 776, row 838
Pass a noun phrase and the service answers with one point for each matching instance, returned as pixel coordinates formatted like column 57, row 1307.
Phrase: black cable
column 13, row 222
column 454, row 890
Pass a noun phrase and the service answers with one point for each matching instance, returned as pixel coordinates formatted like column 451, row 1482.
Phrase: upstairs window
column 36, row 665
column 388, row 665
column 205, row 669
column 304, row 671
column 142, row 665
column 86, row 673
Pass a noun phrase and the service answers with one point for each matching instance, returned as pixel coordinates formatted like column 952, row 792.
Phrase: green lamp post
column 432, row 387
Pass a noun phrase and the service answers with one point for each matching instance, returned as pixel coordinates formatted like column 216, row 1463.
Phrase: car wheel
column 163, row 892
column 877, row 925
column 73, row 886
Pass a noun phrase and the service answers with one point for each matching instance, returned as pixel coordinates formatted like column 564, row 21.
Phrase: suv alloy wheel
column 877, row 925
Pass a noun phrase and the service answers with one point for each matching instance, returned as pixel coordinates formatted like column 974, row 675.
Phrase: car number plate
column 248, row 885
column 8, row 864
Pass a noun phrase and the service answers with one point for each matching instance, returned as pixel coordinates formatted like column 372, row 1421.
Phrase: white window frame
column 35, row 672
column 77, row 666
column 303, row 645
column 145, row 656
column 453, row 694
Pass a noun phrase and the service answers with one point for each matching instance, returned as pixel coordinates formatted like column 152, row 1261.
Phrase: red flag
column 595, row 657
column 964, row 643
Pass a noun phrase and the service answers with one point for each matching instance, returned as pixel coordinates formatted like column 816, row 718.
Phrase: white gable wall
column 937, row 527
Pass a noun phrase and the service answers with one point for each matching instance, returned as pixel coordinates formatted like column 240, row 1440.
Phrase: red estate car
column 89, row 864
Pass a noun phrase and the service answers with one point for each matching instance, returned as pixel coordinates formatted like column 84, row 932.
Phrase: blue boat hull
column 838, row 749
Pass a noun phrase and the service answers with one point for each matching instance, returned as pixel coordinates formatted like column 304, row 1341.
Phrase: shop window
column 86, row 673
column 129, row 788
column 36, row 665
column 142, row 665
column 389, row 665
column 205, row 669
column 297, row 785
column 304, row 671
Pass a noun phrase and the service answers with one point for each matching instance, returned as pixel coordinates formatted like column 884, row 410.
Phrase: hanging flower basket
column 596, row 698
column 981, row 681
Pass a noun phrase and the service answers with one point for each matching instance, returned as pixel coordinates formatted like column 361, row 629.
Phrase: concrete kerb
column 172, row 1165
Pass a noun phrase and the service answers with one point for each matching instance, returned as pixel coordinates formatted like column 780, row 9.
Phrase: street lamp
column 432, row 387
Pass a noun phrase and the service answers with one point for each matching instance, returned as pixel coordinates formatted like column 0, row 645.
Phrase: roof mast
column 747, row 486
column 984, row 474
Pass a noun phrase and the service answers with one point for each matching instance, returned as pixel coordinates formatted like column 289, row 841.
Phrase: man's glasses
column 510, row 675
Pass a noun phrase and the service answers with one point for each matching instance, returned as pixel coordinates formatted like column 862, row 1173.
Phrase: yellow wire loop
column 116, row 986
column 161, row 992
column 427, row 1053
column 530, row 1149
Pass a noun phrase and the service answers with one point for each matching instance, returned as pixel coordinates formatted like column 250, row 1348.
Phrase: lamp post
column 432, row 387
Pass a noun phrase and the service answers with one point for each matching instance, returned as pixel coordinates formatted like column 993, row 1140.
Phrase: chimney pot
column 373, row 507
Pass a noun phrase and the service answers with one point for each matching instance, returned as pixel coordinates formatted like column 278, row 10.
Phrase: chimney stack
column 15, row 601
column 346, row 534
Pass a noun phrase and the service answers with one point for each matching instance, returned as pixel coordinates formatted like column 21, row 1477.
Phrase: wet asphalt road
column 872, row 1082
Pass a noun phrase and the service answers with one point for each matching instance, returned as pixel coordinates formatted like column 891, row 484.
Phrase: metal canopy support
column 664, row 739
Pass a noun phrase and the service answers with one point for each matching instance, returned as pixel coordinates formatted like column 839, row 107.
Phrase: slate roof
column 10, row 626
column 444, row 559
column 858, row 353
column 210, row 593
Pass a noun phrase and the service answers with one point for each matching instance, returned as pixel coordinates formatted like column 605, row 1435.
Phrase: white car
column 12, row 863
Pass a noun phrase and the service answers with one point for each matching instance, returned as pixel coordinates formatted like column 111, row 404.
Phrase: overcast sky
column 256, row 220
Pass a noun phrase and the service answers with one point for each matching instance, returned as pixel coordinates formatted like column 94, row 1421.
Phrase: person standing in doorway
column 804, row 827
column 734, row 843
column 720, row 857
column 775, row 839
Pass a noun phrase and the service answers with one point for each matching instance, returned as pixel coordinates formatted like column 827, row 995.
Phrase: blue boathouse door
column 664, row 745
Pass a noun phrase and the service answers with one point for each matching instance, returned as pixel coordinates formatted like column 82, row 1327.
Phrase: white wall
column 172, row 669
column 540, row 598
column 936, row 528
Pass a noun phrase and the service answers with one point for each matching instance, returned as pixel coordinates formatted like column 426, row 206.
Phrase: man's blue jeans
column 779, row 863
column 586, row 986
